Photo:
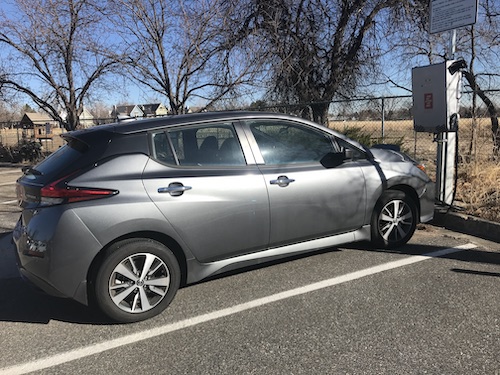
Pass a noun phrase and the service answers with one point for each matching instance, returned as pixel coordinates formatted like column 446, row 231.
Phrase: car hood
column 389, row 155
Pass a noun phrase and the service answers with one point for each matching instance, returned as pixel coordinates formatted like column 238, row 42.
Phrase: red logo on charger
column 428, row 101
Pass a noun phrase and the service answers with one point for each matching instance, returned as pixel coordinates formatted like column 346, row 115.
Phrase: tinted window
column 65, row 156
column 198, row 145
column 162, row 150
column 283, row 142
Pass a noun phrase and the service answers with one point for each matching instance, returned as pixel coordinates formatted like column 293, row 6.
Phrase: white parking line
column 7, row 183
column 18, row 171
column 9, row 202
column 87, row 351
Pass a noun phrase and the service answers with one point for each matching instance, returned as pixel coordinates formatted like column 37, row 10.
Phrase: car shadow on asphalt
column 21, row 302
column 470, row 257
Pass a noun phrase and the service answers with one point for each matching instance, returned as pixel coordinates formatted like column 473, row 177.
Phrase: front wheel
column 394, row 219
column 137, row 280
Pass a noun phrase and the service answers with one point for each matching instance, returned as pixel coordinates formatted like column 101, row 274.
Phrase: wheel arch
column 396, row 230
column 407, row 189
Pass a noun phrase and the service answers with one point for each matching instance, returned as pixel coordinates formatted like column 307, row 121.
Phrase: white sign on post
column 452, row 14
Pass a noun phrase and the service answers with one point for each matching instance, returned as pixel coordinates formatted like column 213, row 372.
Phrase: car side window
column 204, row 145
column 282, row 142
column 161, row 149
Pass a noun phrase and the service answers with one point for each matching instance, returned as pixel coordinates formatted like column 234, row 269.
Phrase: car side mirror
column 349, row 154
column 333, row 159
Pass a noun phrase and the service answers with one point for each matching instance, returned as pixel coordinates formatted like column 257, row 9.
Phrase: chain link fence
column 389, row 120
column 385, row 120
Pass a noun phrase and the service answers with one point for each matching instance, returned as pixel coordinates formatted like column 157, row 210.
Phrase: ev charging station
column 436, row 93
column 436, row 96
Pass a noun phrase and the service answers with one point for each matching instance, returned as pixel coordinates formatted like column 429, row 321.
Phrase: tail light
column 60, row 192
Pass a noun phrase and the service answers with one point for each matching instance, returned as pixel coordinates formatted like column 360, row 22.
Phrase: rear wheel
column 394, row 219
column 137, row 280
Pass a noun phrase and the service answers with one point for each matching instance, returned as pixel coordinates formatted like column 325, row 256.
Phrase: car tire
column 136, row 280
column 394, row 220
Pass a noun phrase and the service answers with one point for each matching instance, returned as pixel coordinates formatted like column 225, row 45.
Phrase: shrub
column 366, row 138
column 30, row 150
column 25, row 150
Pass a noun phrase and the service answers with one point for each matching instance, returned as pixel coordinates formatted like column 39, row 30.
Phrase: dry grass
column 478, row 189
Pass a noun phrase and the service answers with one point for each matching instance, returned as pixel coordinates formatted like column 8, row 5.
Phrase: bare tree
column 182, row 50
column 100, row 111
column 55, row 54
column 318, row 48
column 484, row 49
column 477, row 44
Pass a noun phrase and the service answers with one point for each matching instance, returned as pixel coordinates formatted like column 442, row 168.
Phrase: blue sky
column 128, row 92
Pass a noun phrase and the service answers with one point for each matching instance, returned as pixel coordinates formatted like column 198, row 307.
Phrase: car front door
column 200, row 180
column 307, row 200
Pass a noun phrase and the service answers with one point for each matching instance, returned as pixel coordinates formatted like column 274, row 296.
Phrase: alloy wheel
column 395, row 221
column 139, row 282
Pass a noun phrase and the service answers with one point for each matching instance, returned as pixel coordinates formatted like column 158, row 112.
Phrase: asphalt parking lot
column 431, row 307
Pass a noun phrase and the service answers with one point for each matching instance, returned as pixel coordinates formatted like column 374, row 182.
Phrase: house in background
column 139, row 110
column 153, row 110
column 196, row 109
column 42, row 125
column 31, row 120
column 126, row 111
column 86, row 119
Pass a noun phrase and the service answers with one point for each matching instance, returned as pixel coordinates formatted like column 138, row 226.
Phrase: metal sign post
column 452, row 14
column 448, row 15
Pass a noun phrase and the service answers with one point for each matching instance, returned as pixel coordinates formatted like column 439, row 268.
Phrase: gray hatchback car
column 124, row 214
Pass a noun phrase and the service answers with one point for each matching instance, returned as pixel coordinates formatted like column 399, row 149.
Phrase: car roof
column 136, row 126
column 131, row 126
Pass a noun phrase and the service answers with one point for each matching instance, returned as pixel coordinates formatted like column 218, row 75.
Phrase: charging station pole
column 436, row 92
column 446, row 159
column 447, row 141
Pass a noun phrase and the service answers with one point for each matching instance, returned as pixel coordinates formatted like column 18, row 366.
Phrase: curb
column 466, row 224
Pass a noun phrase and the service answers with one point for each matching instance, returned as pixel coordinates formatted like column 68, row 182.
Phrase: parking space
column 429, row 307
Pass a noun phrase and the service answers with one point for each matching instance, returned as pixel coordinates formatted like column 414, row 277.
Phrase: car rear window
column 62, row 158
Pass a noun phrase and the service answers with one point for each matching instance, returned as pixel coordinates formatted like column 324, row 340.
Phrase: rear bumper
column 40, row 284
column 26, row 275
column 50, row 257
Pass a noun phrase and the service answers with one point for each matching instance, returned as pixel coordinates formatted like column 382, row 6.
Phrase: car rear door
column 200, row 180
column 307, row 200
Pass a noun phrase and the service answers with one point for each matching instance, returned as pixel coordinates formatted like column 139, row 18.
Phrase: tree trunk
column 320, row 113
column 492, row 111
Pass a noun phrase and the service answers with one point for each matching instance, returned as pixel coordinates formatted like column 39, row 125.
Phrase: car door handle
column 282, row 181
column 175, row 189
